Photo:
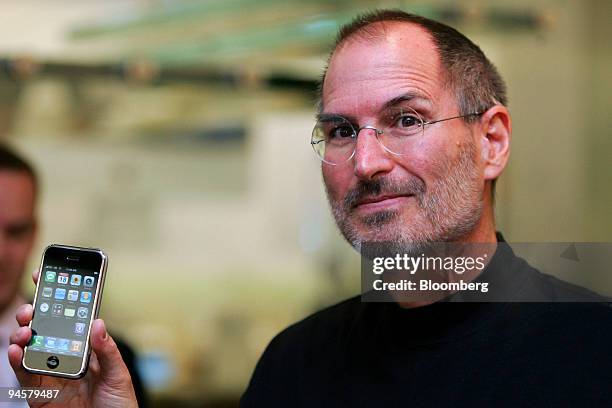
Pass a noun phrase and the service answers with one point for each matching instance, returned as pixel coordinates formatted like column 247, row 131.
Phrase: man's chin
column 377, row 220
column 384, row 226
column 8, row 291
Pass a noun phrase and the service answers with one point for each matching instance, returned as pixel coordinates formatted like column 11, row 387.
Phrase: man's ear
column 496, row 128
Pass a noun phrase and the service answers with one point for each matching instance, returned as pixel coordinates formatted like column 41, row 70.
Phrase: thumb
column 113, row 370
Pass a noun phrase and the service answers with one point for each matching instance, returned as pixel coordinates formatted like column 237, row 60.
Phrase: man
column 413, row 131
column 18, row 226
column 17, row 232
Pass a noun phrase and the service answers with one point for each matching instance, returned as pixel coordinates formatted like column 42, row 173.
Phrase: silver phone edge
column 86, row 353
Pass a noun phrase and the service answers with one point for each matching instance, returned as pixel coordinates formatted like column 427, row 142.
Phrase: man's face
column 17, row 230
column 433, row 191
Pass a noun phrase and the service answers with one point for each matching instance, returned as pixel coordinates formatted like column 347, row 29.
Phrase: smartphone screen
column 66, row 302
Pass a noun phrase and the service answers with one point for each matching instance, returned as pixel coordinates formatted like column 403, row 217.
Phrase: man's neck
column 484, row 238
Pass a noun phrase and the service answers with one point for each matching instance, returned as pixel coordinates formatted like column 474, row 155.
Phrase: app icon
column 60, row 293
column 50, row 276
column 62, row 278
column 75, row 280
column 88, row 281
column 79, row 328
column 44, row 307
column 69, row 312
column 47, row 292
column 58, row 309
column 82, row 312
column 85, row 297
column 73, row 295
column 37, row 341
column 50, row 342
column 63, row 344
column 76, row 345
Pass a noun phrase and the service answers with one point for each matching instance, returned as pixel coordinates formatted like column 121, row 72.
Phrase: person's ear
column 496, row 127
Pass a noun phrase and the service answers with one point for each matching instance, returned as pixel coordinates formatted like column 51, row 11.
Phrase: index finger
column 35, row 275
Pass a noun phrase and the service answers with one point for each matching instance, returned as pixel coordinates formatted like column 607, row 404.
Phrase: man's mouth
column 381, row 202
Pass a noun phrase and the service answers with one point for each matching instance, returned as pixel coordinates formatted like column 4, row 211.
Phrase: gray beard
column 451, row 208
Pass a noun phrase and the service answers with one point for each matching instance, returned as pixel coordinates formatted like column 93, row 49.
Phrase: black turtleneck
column 449, row 353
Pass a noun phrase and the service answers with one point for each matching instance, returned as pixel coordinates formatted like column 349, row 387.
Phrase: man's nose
column 370, row 158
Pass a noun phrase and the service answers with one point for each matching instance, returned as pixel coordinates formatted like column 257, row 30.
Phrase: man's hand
column 106, row 384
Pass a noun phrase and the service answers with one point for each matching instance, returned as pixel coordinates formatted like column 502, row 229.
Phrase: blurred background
column 175, row 135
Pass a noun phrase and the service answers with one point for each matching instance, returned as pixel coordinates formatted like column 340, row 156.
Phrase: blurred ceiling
column 285, row 40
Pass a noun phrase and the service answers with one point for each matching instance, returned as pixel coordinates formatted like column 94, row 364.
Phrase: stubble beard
column 448, row 209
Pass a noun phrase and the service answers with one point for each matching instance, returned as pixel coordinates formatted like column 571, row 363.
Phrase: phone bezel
column 89, row 258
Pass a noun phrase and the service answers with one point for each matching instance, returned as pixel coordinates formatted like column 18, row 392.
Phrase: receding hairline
column 380, row 30
column 376, row 32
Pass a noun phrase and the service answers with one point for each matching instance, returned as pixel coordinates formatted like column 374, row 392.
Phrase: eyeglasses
column 334, row 138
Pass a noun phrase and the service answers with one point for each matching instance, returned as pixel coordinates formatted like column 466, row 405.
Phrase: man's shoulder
column 556, row 306
column 530, row 284
column 545, row 287
column 563, row 290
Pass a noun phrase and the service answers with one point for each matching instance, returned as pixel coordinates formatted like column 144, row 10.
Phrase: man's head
column 385, row 67
column 18, row 187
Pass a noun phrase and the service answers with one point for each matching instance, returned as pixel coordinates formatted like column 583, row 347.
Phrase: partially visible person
column 18, row 230
column 17, row 234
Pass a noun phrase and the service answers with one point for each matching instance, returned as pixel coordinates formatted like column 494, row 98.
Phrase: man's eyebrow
column 407, row 97
column 331, row 116
column 20, row 227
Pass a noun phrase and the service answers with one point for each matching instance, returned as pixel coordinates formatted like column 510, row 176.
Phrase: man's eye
column 341, row 132
column 407, row 121
column 19, row 232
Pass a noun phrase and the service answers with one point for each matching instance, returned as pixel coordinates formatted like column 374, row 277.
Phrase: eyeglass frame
column 379, row 132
